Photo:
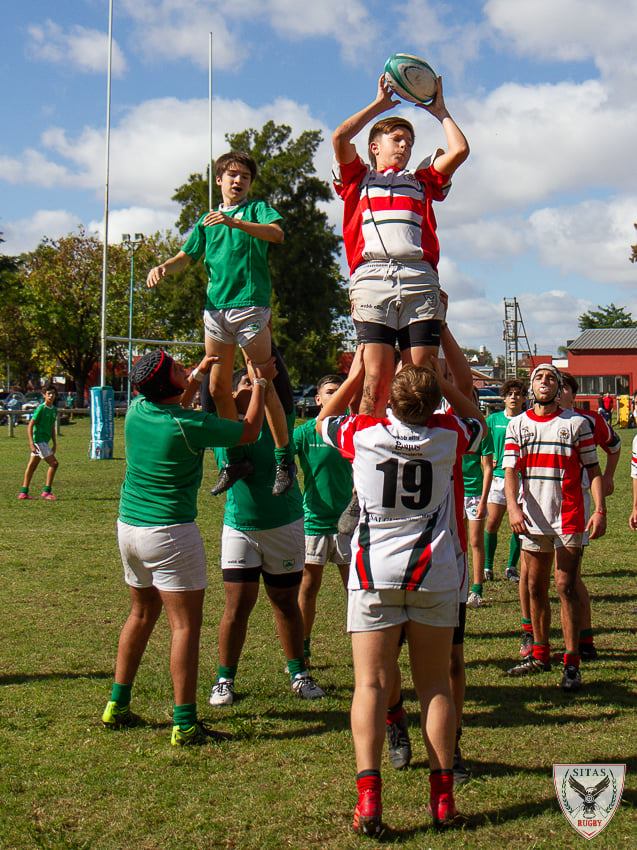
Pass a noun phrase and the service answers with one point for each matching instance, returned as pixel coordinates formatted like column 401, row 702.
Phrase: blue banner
column 102, row 422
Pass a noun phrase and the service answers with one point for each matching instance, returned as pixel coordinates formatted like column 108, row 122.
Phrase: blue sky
column 544, row 89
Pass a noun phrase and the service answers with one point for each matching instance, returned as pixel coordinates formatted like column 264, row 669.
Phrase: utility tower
column 516, row 342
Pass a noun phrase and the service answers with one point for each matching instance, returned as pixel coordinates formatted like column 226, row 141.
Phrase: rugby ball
column 411, row 78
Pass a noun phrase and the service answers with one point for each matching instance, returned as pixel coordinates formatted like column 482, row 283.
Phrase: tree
column 62, row 295
column 309, row 296
column 606, row 317
column 16, row 350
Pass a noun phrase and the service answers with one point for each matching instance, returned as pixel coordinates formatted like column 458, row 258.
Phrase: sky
column 544, row 90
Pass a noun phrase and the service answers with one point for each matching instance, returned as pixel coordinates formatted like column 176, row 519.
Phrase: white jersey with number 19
column 402, row 474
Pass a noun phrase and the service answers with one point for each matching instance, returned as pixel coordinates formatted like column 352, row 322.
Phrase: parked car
column 306, row 406
column 32, row 400
column 490, row 400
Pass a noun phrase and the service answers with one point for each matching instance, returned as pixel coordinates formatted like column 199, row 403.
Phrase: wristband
column 603, row 513
column 260, row 382
column 198, row 375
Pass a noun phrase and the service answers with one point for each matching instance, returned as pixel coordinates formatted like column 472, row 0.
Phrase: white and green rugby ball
column 411, row 78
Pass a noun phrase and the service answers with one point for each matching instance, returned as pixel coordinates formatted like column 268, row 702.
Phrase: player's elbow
column 279, row 236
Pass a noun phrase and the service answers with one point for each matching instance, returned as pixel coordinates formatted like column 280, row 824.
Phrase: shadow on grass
column 26, row 678
column 311, row 723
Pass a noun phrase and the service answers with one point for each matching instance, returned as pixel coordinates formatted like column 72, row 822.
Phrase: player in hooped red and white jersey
column 551, row 449
column 404, row 568
column 606, row 438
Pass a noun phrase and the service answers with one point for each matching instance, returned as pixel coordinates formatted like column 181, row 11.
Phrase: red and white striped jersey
column 551, row 452
column 402, row 474
column 633, row 459
column 604, row 437
column 389, row 214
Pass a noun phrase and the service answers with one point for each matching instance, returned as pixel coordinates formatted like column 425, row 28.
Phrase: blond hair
column 415, row 394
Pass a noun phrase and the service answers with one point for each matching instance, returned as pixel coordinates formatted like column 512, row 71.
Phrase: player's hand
column 206, row 364
column 155, row 275
column 215, row 217
column 516, row 521
column 632, row 520
column 357, row 369
column 481, row 510
column 437, row 108
column 596, row 526
column 385, row 95
column 265, row 370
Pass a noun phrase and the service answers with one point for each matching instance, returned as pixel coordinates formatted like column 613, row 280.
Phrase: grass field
column 284, row 778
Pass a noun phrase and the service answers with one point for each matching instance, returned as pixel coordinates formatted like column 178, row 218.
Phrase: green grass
column 284, row 779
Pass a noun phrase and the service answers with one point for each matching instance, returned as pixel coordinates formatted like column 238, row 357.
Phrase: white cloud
column 177, row 29
column 25, row 234
column 154, row 147
column 78, row 47
column 135, row 220
column 591, row 239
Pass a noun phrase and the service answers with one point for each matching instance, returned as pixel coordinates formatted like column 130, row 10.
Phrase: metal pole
column 209, row 120
column 106, row 188
column 130, row 322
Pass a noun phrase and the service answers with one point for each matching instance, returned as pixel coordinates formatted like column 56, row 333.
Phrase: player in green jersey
column 477, row 474
column 160, row 545
column 327, row 489
column 262, row 537
column 41, row 432
column 234, row 241
column 514, row 395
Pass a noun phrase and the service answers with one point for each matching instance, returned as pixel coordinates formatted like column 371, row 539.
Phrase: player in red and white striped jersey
column 389, row 230
column 609, row 442
column 403, row 571
column 551, row 448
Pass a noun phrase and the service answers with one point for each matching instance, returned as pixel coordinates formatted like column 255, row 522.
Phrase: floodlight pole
column 106, row 188
column 131, row 245
column 209, row 120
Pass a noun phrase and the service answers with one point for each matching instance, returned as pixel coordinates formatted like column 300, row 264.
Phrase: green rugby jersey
column 472, row 467
column 164, row 460
column 497, row 424
column 327, row 480
column 237, row 263
column 250, row 505
column 43, row 423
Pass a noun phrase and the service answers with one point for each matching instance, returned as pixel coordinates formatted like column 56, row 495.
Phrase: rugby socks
column 571, row 659
column 368, row 780
column 285, row 454
column 235, row 454
column 586, row 639
column 527, row 627
column 24, row 490
column 542, row 651
column 514, row 550
column 441, row 782
column 476, row 588
column 46, row 489
column 490, row 545
column 185, row 716
column 395, row 712
column 296, row 666
column 226, row 673
column 307, row 652
column 120, row 694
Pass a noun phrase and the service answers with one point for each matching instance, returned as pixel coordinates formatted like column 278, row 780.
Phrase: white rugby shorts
column 168, row 557
column 277, row 551
column 395, row 294
column 237, row 326
column 42, row 450
column 321, row 548
column 370, row 610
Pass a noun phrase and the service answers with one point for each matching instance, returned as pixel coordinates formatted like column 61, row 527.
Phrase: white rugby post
column 209, row 120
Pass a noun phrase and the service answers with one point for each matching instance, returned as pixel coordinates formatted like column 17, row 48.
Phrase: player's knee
column 54, row 463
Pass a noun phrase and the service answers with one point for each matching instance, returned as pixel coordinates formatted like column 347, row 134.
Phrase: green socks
column 46, row 489
column 24, row 490
column 490, row 545
column 226, row 672
column 296, row 666
column 121, row 694
column 284, row 455
column 476, row 588
column 185, row 716
column 514, row 550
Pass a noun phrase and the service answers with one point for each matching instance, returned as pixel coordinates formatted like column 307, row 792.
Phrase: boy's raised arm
column 342, row 137
column 458, row 147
